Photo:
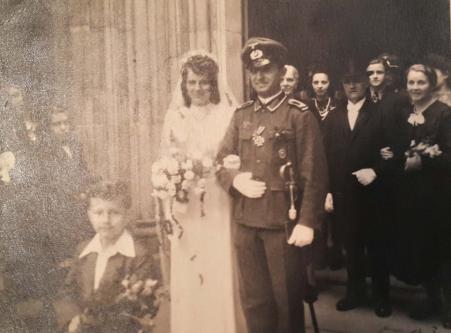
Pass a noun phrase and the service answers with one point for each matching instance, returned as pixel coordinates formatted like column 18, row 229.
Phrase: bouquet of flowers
column 131, row 311
column 423, row 149
column 173, row 177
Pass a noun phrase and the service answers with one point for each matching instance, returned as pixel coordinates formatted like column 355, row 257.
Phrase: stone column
column 125, row 59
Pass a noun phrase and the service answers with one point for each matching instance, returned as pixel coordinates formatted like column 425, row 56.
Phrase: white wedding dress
column 202, row 286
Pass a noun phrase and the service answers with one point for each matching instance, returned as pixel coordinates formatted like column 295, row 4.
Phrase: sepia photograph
column 225, row 166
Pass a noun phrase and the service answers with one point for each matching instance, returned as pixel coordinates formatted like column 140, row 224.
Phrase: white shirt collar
column 266, row 100
column 356, row 106
column 124, row 245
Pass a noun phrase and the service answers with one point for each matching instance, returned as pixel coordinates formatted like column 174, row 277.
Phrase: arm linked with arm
column 228, row 146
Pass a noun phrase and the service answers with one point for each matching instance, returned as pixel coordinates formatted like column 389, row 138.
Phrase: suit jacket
column 390, row 107
column 351, row 150
column 78, row 288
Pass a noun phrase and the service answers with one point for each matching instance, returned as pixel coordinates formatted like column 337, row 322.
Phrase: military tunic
column 265, row 137
column 272, row 273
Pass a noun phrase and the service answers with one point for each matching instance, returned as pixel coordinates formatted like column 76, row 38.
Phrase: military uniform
column 272, row 273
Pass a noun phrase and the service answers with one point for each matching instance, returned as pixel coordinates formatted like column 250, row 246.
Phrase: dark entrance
column 331, row 31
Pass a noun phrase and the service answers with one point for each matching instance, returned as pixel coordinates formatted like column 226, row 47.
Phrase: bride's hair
column 201, row 65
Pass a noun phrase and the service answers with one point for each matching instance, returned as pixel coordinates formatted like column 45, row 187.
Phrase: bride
column 202, row 276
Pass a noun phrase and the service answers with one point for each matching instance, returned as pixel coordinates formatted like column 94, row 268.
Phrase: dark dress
column 316, row 112
column 421, row 230
column 322, row 254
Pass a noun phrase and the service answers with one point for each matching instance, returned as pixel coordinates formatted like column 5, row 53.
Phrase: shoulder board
column 298, row 104
column 245, row 104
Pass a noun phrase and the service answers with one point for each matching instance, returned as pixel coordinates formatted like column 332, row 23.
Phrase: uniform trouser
column 272, row 280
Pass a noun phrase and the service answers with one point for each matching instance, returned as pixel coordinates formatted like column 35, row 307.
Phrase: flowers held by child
column 133, row 310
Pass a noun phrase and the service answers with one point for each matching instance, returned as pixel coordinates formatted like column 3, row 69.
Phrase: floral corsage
column 423, row 149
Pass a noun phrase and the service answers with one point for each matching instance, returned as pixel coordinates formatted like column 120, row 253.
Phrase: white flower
column 187, row 165
column 189, row 175
column 199, row 190
column 172, row 166
column 171, row 189
column 422, row 146
column 186, row 184
column 176, row 179
column 125, row 283
column 202, row 183
column 156, row 167
column 160, row 194
column 207, row 162
column 433, row 151
column 159, row 180
column 149, row 283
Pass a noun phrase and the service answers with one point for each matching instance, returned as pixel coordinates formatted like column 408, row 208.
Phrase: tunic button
column 258, row 161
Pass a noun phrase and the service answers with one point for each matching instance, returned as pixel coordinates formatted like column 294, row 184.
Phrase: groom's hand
column 301, row 236
column 248, row 187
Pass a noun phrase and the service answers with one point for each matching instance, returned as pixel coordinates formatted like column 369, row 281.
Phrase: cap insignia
column 256, row 54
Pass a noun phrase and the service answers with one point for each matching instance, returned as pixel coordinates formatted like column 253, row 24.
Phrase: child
column 102, row 264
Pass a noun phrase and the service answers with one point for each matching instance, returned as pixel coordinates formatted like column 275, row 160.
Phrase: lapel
column 344, row 122
column 113, row 275
column 87, row 271
column 114, row 272
column 363, row 117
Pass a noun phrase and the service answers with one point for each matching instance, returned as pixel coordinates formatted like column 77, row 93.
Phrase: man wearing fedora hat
column 354, row 137
column 270, row 134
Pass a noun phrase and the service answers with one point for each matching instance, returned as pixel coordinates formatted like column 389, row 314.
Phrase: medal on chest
column 257, row 137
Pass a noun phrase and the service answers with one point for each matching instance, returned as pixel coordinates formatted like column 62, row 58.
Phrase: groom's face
column 266, row 80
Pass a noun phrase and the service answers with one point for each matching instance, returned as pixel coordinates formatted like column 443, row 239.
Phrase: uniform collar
column 271, row 105
column 124, row 245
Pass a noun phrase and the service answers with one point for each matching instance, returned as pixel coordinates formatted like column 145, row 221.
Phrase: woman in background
column 328, row 246
column 422, row 154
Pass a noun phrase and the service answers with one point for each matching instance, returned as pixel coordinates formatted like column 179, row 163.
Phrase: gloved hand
column 365, row 176
column 248, row 187
column 301, row 236
column 329, row 203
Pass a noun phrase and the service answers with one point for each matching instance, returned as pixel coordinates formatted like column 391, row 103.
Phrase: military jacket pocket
column 245, row 145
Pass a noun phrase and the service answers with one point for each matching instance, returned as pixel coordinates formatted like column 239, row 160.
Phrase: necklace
column 323, row 111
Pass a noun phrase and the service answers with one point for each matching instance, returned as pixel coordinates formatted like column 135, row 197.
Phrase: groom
column 267, row 133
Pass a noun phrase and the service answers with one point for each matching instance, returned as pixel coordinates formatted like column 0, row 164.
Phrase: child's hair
column 109, row 190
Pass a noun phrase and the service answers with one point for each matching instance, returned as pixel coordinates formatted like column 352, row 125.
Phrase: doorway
column 332, row 31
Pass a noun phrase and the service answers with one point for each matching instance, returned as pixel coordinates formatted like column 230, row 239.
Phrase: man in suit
column 266, row 134
column 353, row 141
